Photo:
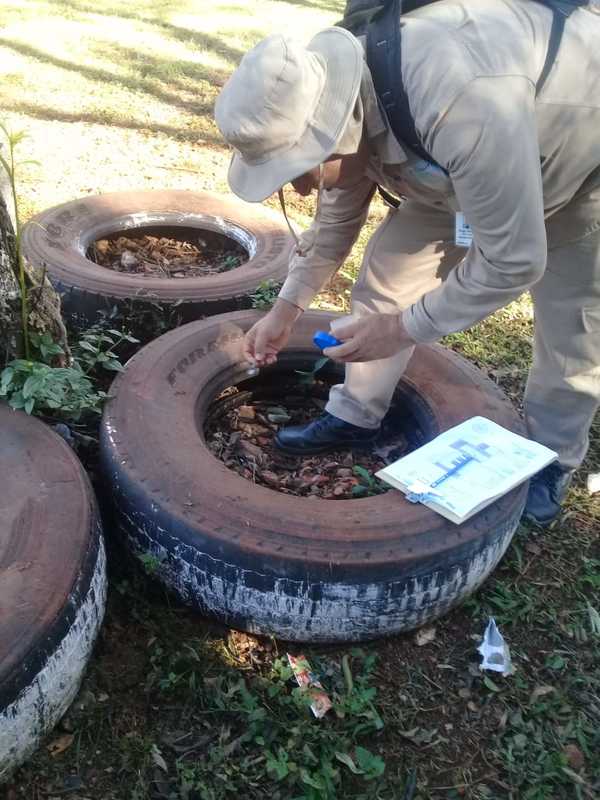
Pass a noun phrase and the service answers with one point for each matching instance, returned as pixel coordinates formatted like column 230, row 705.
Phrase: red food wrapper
column 320, row 702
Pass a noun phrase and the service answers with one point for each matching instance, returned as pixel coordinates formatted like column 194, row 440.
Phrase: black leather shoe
column 322, row 434
column 547, row 490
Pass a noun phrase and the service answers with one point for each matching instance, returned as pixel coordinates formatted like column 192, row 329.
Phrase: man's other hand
column 369, row 338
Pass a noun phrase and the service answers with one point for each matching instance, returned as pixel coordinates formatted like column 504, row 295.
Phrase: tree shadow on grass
column 174, row 73
column 204, row 41
column 206, row 138
column 104, row 76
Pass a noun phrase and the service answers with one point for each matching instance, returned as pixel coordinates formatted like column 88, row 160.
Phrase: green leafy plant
column 97, row 347
column 369, row 485
column 228, row 262
column 36, row 386
column 308, row 378
column 509, row 604
column 44, row 348
column 10, row 166
column 266, row 293
column 145, row 321
column 150, row 562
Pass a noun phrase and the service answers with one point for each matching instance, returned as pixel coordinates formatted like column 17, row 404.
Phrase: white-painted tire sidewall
column 343, row 612
column 42, row 703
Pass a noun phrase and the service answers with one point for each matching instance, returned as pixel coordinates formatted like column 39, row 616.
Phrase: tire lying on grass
column 270, row 563
column 60, row 239
column 52, row 582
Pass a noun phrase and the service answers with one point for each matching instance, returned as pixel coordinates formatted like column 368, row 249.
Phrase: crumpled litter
column 495, row 652
column 307, row 680
column 593, row 482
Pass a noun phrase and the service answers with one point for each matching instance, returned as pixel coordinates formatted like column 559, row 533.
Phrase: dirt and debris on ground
column 159, row 256
column 242, row 435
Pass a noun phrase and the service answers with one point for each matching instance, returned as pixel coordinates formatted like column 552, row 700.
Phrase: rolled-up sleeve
column 327, row 242
column 487, row 141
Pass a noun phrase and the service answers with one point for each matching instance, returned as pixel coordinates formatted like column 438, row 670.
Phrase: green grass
column 118, row 96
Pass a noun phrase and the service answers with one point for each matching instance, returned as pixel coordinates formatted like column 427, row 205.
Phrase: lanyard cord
column 289, row 224
column 317, row 220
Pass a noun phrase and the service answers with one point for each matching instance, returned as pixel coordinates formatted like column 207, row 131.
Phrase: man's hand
column 270, row 334
column 370, row 338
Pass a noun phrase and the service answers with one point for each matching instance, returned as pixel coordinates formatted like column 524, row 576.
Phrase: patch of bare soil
column 159, row 256
column 241, row 432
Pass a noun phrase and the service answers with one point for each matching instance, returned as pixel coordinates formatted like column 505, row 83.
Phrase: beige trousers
column 413, row 251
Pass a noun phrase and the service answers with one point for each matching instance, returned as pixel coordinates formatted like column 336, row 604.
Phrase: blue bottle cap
column 322, row 339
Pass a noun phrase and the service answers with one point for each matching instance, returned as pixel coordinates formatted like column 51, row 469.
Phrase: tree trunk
column 44, row 303
column 9, row 289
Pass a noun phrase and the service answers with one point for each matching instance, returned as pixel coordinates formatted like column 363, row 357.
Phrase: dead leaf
column 425, row 636
column 158, row 759
column 270, row 478
column 251, row 450
column 534, row 548
column 60, row 744
column 277, row 418
column 246, row 413
column 575, row 758
column 540, row 691
column 503, row 720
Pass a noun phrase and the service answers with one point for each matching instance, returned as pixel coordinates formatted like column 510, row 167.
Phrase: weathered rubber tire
column 52, row 582
column 59, row 238
column 266, row 562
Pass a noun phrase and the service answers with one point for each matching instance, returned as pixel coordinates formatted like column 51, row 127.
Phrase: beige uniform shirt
column 513, row 159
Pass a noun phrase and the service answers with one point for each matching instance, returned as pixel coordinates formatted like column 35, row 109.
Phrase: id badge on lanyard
column 463, row 236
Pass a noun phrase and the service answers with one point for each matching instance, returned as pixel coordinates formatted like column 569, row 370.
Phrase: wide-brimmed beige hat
column 286, row 107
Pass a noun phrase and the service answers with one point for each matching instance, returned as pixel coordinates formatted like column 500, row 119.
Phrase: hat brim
column 344, row 58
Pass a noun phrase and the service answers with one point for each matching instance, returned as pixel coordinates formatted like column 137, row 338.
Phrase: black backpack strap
column 560, row 14
column 556, row 32
column 384, row 58
column 390, row 199
column 359, row 13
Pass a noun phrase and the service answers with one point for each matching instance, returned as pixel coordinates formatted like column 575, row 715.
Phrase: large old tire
column 52, row 581
column 59, row 239
column 266, row 562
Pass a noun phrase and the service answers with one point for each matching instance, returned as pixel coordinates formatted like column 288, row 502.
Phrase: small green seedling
column 266, row 293
column 229, row 262
column 369, row 485
column 309, row 378
column 150, row 562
